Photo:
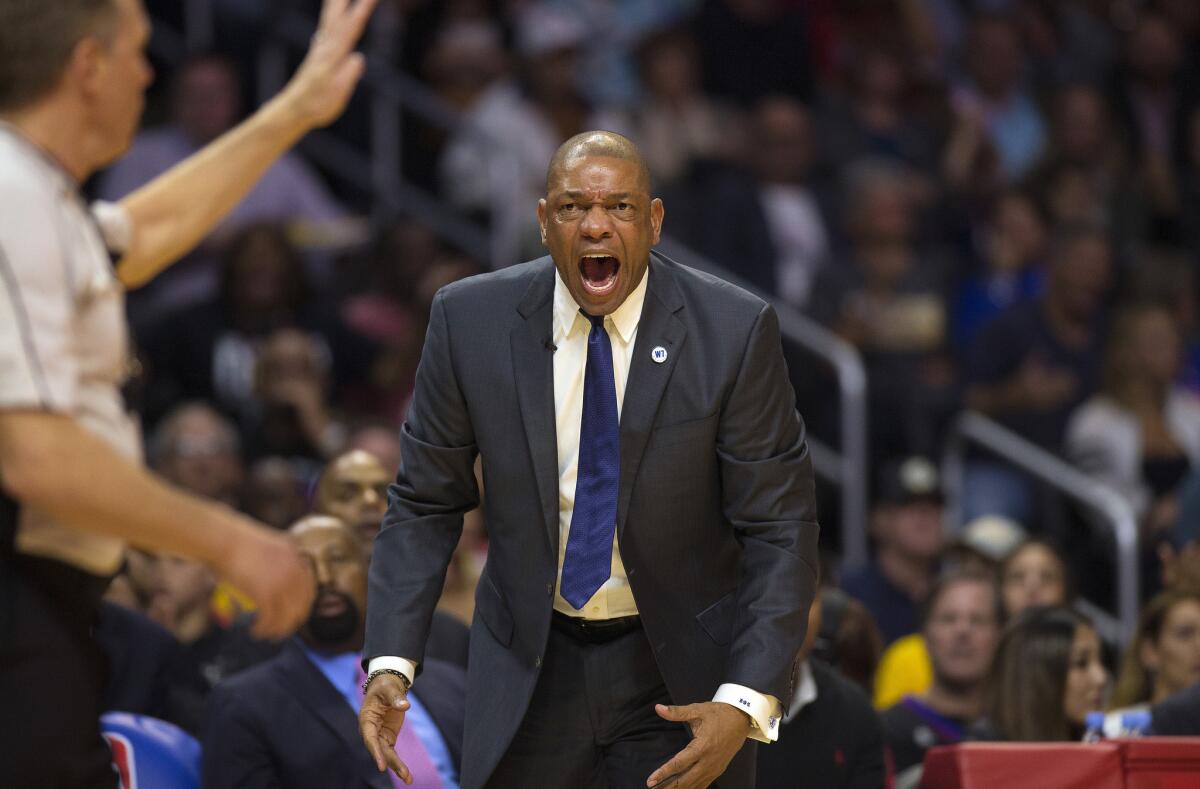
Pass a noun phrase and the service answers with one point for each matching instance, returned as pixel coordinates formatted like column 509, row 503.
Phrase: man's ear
column 85, row 68
column 656, row 218
column 541, row 215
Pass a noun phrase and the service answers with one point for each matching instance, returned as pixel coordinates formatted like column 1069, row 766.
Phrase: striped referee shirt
column 63, row 338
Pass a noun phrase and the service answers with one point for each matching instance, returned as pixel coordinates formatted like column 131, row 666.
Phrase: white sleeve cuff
column 403, row 665
column 764, row 711
column 115, row 226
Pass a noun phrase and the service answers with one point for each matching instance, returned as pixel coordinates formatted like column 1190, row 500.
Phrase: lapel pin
column 659, row 354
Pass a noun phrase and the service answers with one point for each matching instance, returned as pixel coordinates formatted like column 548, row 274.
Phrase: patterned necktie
column 413, row 753
column 588, row 560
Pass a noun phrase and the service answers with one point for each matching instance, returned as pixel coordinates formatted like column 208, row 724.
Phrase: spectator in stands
column 979, row 548
column 1178, row 715
column 962, row 626
column 1140, row 435
column 887, row 296
column 907, row 526
column 292, row 720
column 206, row 103
column 210, row 349
column 198, row 449
column 522, row 121
column 1164, row 656
column 1151, row 105
column 676, row 124
column 1086, row 156
column 182, row 602
column 875, row 116
column 995, row 93
column 293, row 418
column 849, row 639
column 387, row 311
column 1033, row 364
column 830, row 737
column 1047, row 676
column 275, row 490
column 1034, row 575
column 380, row 440
column 353, row 489
column 1010, row 269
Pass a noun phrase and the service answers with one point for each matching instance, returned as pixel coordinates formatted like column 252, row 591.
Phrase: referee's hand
column 266, row 565
column 319, row 90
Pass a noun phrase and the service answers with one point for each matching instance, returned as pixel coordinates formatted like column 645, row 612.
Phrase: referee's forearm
column 51, row 463
column 174, row 212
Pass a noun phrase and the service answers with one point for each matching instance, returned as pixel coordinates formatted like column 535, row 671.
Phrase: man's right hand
column 379, row 722
column 266, row 565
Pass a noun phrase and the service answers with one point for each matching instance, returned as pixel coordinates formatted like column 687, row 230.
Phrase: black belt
column 594, row 631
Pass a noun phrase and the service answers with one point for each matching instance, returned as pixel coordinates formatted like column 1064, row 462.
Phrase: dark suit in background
column 833, row 742
column 282, row 724
column 715, row 516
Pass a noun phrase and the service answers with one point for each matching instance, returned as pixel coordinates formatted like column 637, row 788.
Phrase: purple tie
column 412, row 752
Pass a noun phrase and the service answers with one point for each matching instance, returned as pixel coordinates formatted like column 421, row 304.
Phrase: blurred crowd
column 997, row 202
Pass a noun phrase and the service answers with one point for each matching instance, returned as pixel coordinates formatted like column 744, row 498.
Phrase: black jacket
column 282, row 724
column 835, row 742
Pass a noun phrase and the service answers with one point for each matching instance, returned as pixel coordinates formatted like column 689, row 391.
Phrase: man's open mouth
column 599, row 273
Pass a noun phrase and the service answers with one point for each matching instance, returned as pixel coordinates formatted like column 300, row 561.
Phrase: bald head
column 326, row 524
column 596, row 143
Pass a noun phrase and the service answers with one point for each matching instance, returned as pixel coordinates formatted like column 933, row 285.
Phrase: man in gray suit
column 649, row 505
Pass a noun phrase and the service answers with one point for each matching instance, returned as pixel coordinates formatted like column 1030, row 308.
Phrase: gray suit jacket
column 716, row 516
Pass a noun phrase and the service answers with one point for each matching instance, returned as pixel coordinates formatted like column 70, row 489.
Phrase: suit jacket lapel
column 533, row 372
column 658, row 326
column 306, row 683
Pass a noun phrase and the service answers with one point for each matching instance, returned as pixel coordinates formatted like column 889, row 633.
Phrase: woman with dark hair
column 1141, row 434
column 1047, row 676
column 1164, row 656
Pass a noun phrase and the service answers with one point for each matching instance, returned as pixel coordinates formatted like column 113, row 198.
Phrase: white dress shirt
column 614, row 598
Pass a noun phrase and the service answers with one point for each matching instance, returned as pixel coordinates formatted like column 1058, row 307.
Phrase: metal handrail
column 1101, row 501
column 847, row 468
column 393, row 89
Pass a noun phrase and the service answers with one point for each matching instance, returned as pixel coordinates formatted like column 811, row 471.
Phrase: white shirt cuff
column 403, row 665
column 115, row 226
column 764, row 711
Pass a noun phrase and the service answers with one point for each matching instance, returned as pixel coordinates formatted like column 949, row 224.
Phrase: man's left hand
column 322, row 85
column 719, row 731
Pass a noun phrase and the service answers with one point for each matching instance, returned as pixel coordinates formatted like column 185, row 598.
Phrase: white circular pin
column 659, row 354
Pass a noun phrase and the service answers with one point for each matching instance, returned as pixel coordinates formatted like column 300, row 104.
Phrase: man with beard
column 313, row 686
column 962, row 626
column 353, row 489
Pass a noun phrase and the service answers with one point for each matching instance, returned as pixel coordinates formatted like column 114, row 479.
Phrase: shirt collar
column 806, row 691
column 567, row 319
column 341, row 670
column 52, row 166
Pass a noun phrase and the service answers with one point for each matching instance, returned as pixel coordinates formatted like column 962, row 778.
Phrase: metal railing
column 1101, row 502
column 393, row 90
column 848, row 468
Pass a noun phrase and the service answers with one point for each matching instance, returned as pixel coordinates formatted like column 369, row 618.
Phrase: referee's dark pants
column 591, row 723
column 51, row 678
